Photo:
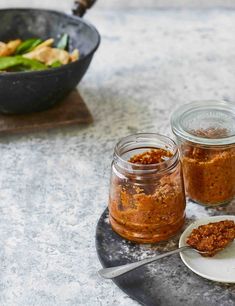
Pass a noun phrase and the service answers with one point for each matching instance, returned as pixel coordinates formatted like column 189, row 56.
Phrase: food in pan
column 213, row 237
column 35, row 54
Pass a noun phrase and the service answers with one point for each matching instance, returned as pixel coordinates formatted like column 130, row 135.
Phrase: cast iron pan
column 25, row 92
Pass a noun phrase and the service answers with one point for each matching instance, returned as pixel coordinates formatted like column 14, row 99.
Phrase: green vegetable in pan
column 28, row 45
column 12, row 61
column 63, row 42
column 56, row 64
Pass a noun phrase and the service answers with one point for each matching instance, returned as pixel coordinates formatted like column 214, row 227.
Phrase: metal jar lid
column 205, row 122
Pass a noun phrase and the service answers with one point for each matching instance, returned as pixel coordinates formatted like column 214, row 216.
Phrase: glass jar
column 147, row 201
column 205, row 133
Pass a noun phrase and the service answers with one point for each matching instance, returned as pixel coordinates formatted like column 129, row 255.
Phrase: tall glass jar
column 205, row 133
column 147, row 201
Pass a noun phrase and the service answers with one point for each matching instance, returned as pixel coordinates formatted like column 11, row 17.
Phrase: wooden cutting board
column 71, row 111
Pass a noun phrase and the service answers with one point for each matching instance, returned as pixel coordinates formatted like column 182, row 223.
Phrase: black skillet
column 25, row 92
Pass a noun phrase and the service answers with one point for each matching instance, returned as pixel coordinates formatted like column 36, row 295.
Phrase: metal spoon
column 120, row 270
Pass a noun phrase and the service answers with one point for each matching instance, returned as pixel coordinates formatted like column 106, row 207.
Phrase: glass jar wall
column 205, row 133
column 147, row 201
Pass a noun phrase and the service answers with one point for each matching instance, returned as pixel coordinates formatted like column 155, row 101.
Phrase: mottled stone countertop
column 54, row 185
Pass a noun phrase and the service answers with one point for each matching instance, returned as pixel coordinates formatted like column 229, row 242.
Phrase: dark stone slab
column 167, row 282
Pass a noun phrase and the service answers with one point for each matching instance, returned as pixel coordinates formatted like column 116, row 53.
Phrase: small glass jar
column 205, row 133
column 146, row 202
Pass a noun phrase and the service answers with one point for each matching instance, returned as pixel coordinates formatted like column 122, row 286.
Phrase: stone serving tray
column 72, row 110
column 167, row 282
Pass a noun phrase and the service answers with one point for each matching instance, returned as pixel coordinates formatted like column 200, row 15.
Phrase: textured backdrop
column 67, row 4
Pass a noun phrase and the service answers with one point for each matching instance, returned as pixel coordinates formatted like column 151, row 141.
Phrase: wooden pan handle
column 80, row 6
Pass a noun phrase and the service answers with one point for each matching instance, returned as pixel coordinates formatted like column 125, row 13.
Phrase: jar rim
column 135, row 139
column 203, row 106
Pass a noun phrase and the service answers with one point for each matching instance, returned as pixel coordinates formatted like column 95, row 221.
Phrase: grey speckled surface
column 54, row 186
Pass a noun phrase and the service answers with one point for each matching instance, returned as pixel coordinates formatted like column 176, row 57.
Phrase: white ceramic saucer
column 221, row 267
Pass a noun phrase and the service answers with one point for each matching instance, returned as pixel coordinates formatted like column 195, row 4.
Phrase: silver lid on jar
column 205, row 122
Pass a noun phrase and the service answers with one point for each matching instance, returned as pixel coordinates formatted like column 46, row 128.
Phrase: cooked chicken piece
column 12, row 45
column 9, row 48
column 49, row 55
column 47, row 43
column 74, row 56
column 3, row 49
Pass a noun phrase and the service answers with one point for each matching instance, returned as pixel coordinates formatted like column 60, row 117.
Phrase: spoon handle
column 120, row 270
